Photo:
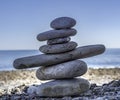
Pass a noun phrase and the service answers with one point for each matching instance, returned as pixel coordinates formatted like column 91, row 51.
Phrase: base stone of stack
column 60, row 88
column 58, row 48
column 58, row 40
column 69, row 69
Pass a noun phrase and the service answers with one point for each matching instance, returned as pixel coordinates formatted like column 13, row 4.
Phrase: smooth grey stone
column 58, row 40
column 52, row 34
column 69, row 69
column 63, row 22
column 60, row 88
column 52, row 59
column 58, row 48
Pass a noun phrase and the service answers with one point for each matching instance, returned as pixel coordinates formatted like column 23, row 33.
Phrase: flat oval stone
column 52, row 34
column 52, row 59
column 58, row 48
column 60, row 88
column 58, row 40
column 69, row 69
column 63, row 23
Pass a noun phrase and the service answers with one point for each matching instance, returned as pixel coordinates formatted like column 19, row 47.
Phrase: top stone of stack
column 63, row 23
column 62, row 28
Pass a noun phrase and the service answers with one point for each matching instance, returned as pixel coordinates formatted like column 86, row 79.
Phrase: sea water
column 110, row 58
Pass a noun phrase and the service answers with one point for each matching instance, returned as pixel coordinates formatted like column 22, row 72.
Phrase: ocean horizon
column 109, row 59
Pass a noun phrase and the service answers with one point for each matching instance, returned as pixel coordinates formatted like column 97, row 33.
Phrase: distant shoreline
column 89, row 67
column 109, row 59
column 34, row 49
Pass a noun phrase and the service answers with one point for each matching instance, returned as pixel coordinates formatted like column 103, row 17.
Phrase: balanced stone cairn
column 59, row 62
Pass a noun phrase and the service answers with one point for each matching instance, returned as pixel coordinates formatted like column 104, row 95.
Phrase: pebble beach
column 60, row 76
column 105, row 85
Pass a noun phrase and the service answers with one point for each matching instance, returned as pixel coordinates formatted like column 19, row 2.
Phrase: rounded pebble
column 66, row 70
column 63, row 23
column 52, row 34
column 58, row 48
column 58, row 40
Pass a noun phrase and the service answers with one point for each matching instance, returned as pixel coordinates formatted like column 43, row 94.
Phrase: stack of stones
column 59, row 62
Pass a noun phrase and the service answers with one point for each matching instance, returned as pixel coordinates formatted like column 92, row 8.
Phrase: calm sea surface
column 111, row 58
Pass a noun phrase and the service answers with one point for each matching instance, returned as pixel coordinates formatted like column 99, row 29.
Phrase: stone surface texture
column 58, row 48
column 58, row 40
column 47, row 60
column 62, row 23
column 69, row 69
column 59, row 63
column 52, row 34
column 60, row 88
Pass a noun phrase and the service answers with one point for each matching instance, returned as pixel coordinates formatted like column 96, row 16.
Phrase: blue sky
column 98, row 21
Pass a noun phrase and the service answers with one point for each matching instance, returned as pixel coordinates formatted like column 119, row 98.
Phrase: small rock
column 52, row 34
column 118, row 92
column 2, row 91
column 115, row 83
column 58, row 40
column 16, row 90
column 109, row 93
column 66, row 98
column 80, row 98
column 97, row 91
column 93, row 86
column 63, row 22
column 69, row 69
column 58, row 48
column 31, row 90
